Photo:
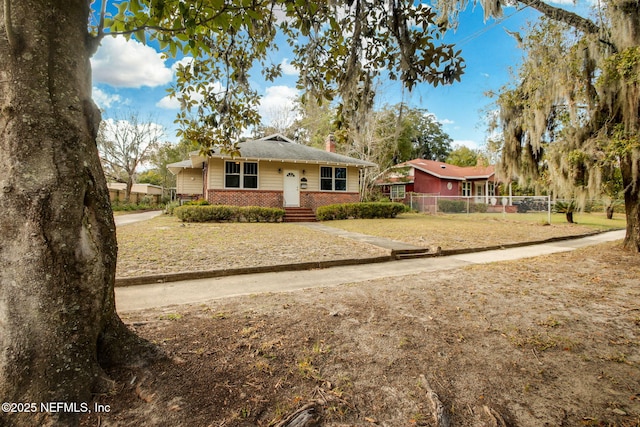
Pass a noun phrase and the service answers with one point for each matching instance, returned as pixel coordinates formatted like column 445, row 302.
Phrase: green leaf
column 141, row 36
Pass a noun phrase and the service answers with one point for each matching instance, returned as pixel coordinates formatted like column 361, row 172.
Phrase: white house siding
column 268, row 176
column 189, row 181
column 269, row 179
column 216, row 174
column 353, row 180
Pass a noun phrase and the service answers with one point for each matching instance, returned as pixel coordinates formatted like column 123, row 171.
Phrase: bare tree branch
column 563, row 15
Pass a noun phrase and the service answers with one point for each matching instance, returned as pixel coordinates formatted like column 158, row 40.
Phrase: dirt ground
column 549, row 341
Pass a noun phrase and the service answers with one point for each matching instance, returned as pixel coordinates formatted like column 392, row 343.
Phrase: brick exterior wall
column 274, row 199
column 267, row 199
column 313, row 199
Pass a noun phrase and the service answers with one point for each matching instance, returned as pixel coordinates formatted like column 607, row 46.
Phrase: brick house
column 271, row 172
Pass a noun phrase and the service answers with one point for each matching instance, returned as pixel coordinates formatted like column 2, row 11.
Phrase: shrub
column 479, row 207
column 147, row 200
column 260, row 214
column 204, row 213
column 360, row 210
column 452, row 206
column 198, row 202
column 567, row 208
column 530, row 204
column 223, row 213
column 122, row 206
column 170, row 207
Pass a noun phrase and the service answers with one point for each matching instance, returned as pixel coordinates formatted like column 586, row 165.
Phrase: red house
column 439, row 179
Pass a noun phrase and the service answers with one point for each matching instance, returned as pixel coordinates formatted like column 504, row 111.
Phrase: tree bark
column 58, row 248
column 563, row 15
column 569, row 215
column 631, row 186
column 610, row 212
column 127, row 189
column 625, row 103
column 620, row 101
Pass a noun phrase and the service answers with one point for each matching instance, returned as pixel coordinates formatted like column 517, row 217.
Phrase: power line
column 484, row 29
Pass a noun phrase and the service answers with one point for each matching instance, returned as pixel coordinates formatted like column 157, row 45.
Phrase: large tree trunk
column 127, row 189
column 625, row 102
column 631, row 204
column 58, row 245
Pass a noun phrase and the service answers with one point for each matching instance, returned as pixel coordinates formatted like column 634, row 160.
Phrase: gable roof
column 276, row 148
column 444, row 170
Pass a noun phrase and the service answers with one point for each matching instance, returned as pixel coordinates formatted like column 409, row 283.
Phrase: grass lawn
column 166, row 245
column 455, row 231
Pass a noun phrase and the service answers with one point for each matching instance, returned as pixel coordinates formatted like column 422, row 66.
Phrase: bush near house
column 170, row 207
column 223, row 213
column 198, row 202
column 360, row 210
column 479, row 208
column 452, row 206
column 118, row 206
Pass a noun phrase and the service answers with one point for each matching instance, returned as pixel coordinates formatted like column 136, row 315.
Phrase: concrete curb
column 193, row 275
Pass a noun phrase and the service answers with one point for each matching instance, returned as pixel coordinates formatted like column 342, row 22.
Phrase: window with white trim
column 333, row 178
column 466, row 189
column 492, row 189
column 240, row 174
column 398, row 192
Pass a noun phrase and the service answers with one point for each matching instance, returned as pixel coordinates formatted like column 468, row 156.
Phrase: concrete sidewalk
column 392, row 245
column 133, row 298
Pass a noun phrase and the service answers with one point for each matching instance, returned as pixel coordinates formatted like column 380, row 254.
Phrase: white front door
column 291, row 188
column 480, row 192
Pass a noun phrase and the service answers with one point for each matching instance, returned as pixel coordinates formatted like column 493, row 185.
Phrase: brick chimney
column 330, row 144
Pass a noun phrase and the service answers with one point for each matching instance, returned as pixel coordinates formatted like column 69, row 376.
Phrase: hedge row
column 460, row 206
column 360, row 210
column 222, row 213
column 452, row 206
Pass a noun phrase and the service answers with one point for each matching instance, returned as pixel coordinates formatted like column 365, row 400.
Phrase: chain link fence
column 434, row 203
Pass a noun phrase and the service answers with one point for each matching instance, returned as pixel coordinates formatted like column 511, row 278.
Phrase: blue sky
column 128, row 76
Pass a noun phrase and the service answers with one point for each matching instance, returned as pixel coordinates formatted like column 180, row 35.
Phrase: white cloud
column 277, row 104
column 168, row 103
column 128, row 63
column 104, row 99
column 441, row 121
column 467, row 143
column 288, row 69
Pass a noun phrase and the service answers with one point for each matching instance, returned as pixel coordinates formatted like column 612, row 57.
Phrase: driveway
column 133, row 298
column 137, row 217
